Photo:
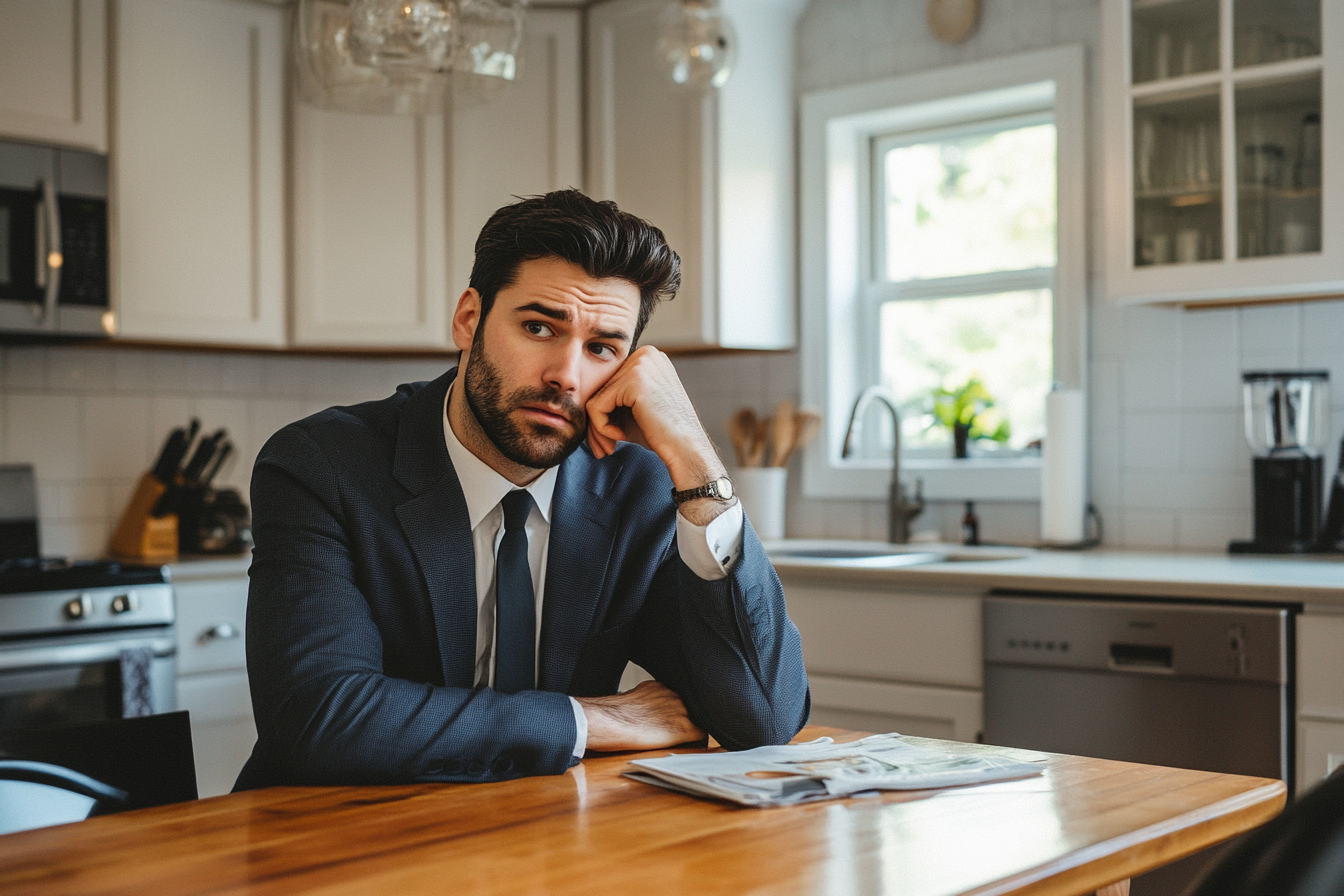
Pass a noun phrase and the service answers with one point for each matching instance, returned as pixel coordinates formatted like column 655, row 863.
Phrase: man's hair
column 596, row 236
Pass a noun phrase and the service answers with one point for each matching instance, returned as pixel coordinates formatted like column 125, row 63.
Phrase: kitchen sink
column 881, row 555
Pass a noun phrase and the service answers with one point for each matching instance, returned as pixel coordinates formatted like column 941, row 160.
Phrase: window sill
column 945, row 479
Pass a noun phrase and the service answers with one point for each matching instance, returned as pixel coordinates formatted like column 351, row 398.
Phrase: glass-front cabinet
column 1223, row 180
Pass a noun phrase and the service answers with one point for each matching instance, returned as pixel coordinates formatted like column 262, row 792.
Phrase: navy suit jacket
column 361, row 619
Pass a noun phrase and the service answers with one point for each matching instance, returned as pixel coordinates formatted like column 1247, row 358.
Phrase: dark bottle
column 970, row 525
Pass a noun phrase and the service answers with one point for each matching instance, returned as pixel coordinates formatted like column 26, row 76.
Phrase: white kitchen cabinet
column 212, row 669
column 53, row 65
column 888, row 659
column 369, row 230
column 714, row 171
column 387, row 208
column 1224, row 163
column 1320, row 696
column 513, row 140
column 198, row 171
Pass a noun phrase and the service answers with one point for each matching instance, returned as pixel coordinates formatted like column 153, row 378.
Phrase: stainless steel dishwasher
column 1192, row 685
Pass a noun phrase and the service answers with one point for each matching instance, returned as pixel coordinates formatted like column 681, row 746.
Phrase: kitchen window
column 943, row 241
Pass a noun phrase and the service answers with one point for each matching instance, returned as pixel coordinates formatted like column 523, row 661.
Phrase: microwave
column 53, row 244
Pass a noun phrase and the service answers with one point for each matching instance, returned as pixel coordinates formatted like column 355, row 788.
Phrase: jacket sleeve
column 728, row 648
column 326, row 712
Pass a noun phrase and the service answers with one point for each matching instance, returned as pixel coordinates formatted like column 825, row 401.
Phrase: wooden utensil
column 742, row 430
column 761, row 438
column 806, row 425
column 782, row 433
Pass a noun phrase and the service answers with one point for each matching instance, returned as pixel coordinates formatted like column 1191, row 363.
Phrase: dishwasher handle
column 1149, row 658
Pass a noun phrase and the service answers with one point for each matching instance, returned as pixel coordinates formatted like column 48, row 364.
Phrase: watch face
column 724, row 487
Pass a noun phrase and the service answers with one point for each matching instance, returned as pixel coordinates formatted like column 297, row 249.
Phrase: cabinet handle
column 222, row 632
column 49, row 255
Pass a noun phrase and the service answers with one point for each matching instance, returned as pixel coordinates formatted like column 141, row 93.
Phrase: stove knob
column 124, row 603
column 79, row 608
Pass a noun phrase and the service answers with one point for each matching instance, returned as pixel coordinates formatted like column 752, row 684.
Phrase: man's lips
column 550, row 416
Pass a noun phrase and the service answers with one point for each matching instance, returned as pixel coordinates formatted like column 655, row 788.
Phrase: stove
column 79, row 641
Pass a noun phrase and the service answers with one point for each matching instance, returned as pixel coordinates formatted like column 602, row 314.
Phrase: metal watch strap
column 711, row 489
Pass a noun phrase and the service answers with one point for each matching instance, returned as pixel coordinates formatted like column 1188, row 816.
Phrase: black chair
column 148, row 757
column 1300, row 853
column 38, row 794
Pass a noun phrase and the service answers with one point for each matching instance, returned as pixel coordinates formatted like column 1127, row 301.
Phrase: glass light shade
column 489, row 33
column 1286, row 411
column 697, row 45
column 410, row 37
column 329, row 77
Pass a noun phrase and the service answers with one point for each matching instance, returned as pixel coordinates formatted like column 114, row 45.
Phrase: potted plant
column 968, row 410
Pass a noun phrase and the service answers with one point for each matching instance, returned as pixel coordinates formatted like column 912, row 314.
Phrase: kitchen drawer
column 210, row 619
column 882, row 706
column 1320, row 750
column 1320, row 666
column 215, row 697
column 925, row 636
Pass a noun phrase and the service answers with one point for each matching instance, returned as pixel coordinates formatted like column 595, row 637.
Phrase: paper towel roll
column 1064, row 468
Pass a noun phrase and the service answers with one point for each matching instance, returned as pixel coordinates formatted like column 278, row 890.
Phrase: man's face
column 553, row 339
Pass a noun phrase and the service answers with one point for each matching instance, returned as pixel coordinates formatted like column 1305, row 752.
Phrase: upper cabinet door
column 1224, row 167
column 369, row 243
column 198, row 171
column 714, row 171
column 388, row 207
column 516, row 139
column 53, row 68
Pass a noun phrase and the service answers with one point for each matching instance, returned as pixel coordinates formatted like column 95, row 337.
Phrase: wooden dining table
column 1080, row 826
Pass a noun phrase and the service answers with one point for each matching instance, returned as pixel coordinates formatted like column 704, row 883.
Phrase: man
column 447, row 584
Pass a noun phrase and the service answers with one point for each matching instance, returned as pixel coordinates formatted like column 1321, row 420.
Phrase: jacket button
column 501, row 766
column 475, row 767
column 453, row 767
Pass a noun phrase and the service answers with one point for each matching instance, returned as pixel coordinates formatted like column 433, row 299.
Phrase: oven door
column 87, row 677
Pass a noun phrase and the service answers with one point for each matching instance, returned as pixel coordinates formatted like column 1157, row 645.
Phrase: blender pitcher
column 1286, row 427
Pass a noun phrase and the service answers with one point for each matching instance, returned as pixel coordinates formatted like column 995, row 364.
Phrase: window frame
column 838, row 220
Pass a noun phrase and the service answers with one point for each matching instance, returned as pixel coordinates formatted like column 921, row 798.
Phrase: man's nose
column 564, row 372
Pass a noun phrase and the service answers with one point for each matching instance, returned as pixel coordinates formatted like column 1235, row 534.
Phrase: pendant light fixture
column 396, row 56
column 697, row 45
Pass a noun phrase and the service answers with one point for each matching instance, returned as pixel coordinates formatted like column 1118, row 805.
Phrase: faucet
column 900, row 511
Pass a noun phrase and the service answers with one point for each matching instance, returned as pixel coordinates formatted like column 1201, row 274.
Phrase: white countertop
column 1317, row 579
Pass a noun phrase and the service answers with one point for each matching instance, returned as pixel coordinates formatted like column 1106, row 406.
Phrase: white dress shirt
column 709, row 551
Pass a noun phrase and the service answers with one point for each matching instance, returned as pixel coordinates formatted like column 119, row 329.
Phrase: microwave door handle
column 53, row 259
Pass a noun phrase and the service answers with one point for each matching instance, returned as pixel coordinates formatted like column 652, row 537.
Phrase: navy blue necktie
column 515, row 604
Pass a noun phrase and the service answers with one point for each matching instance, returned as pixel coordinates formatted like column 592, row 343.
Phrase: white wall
column 1170, row 468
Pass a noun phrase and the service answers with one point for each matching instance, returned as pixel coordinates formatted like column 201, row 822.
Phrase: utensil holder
column 140, row 535
column 762, row 492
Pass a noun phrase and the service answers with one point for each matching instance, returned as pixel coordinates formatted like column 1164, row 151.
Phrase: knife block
column 140, row 535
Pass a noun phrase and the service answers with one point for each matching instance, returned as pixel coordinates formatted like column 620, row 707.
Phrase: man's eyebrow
column 562, row 315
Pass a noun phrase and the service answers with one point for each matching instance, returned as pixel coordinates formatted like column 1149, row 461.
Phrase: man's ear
column 466, row 319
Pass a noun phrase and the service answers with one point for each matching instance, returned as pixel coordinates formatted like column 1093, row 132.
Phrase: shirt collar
column 482, row 486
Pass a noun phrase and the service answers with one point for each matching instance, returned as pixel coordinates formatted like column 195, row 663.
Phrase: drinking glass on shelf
column 1187, row 245
column 1307, row 166
column 1161, row 55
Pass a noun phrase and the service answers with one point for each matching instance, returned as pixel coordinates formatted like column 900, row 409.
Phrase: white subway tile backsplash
column 1151, row 442
column 1152, row 383
column 1323, row 326
column 43, row 429
column 1184, row 491
column 26, row 368
column 1214, row 441
column 1210, row 531
column 1272, row 330
column 75, row 539
column 132, row 371
column 1148, row 530
column 1151, row 330
column 72, row 500
column 86, row 369
column 116, row 435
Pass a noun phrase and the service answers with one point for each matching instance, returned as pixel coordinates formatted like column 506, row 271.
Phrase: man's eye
column 602, row 350
column 537, row 328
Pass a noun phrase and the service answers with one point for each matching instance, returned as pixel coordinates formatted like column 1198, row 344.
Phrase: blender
column 1286, row 427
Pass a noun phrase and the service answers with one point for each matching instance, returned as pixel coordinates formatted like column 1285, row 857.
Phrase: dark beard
column 533, row 445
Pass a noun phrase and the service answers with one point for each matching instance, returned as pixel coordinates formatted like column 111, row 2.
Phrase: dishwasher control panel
column 1139, row 637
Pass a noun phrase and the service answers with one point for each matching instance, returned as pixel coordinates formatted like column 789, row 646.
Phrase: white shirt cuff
column 581, row 723
column 710, row 551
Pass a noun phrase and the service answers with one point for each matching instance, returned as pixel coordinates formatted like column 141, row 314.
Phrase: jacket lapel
column 583, row 532
column 438, row 528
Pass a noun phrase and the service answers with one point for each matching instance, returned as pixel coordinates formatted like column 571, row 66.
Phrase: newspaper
column 823, row 770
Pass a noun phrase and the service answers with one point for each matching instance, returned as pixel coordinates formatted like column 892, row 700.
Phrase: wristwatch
column 721, row 488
